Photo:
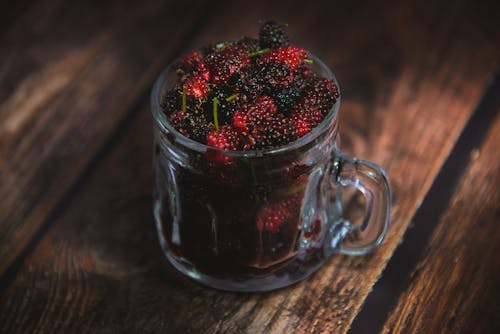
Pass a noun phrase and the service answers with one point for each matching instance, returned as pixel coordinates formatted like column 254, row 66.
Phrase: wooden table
column 78, row 250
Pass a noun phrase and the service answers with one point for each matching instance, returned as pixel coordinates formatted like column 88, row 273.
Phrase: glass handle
column 371, row 180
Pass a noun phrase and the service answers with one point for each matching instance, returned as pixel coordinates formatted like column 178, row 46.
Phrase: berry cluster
column 248, row 94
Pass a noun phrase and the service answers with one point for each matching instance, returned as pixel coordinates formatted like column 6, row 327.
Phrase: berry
column 240, row 121
column 275, row 131
column 302, row 77
column 253, row 116
column 227, row 138
column 320, row 94
column 249, row 44
column 274, row 216
column 190, row 61
column 193, row 64
column 264, row 104
column 314, row 231
column 290, row 55
column 194, row 126
column 247, row 84
column 226, row 62
column 273, row 35
column 306, row 120
column 302, row 127
column 171, row 101
column 286, row 98
column 200, row 127
column 272, row 76
column 180, row 122
column 196, row 87
column 336, row 92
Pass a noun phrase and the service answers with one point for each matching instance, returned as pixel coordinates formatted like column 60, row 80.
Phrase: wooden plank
column 100, row 268
column 454, row 288
column 66, row 82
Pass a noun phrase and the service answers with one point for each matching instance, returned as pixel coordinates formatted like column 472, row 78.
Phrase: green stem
column 232, row 97
column 216, row 119
column 258, row 53
column 292, row 190
column 308, row 61
column 220, row 46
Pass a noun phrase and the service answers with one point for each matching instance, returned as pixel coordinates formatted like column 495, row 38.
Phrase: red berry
column 240, row 121
column 193, row 64
column 315, row 229
column 252, row 115
column 265, row 104
column 262, row 108
column 302, row 127
column 227, row 138
column 305, row 120
column 197, row 87
column 191, row 59
column 203, row 71
column 322, row 94
column 274, row 216
column 291, row 55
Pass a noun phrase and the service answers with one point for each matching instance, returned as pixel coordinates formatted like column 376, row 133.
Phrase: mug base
column 292, row 273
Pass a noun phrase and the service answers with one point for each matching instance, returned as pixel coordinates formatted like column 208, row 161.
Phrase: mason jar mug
column 260, row 220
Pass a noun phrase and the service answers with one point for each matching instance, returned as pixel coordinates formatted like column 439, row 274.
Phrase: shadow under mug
column 263, row 219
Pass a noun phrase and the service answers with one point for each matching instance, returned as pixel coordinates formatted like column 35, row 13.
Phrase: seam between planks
column 400, row 269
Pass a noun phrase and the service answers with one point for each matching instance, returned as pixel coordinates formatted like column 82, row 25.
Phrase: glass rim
column 162, row 121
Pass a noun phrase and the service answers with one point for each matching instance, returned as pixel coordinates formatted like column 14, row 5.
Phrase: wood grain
column 70, row 72
column 100, row 269
column 454, row 288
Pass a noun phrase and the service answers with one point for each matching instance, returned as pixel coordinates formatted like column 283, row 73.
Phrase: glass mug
column 263, row 219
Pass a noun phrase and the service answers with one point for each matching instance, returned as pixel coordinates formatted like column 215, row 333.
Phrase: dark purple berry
column 171, row 101
column 200, row 128
column 272, row 76
column 225, row 63
column 286, row 98
column 194, row 126
column 249, row 44
column 273, row 35
column 247, row 84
